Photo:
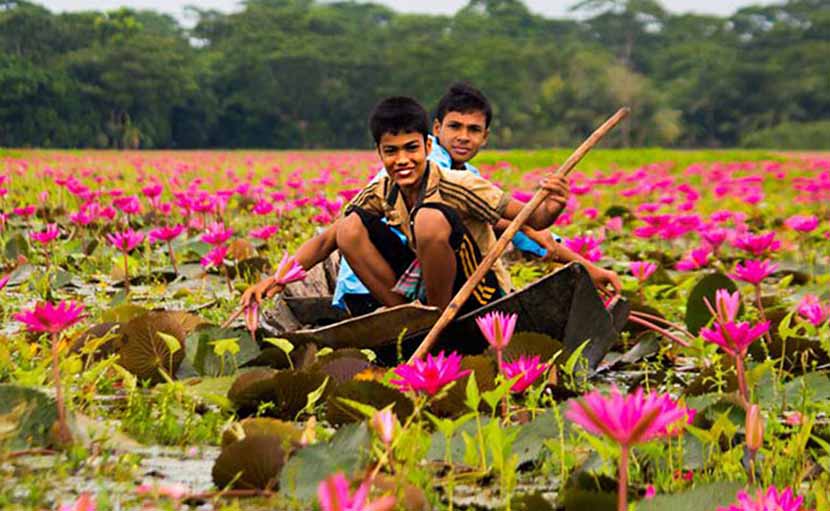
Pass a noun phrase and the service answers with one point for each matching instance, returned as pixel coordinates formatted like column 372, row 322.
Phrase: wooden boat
column 563, row 305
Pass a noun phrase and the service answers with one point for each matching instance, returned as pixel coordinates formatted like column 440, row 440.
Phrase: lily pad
column 17, row 245
column 26, row 417
column 452, row 405
column 532, row 344
column 251, row 388
column 697, row 314
column 253, row 463
column 153, row 345
column 202, row 354
column 254, row 426
column 710, row 496
column 370, row 393
column 347, row 451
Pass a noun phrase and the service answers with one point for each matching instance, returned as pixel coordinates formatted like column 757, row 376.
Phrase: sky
column 550, row 8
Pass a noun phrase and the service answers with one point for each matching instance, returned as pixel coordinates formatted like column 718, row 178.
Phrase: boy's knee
column 431, row 226
column 350, row 231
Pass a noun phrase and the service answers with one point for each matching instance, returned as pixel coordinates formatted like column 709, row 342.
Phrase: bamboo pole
column 496, row 251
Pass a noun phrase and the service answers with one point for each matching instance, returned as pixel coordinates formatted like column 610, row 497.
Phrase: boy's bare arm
column 310, row 253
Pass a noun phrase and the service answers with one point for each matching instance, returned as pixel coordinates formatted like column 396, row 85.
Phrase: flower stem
column 228, row 280
column 172, row 257
column 64, row 436
column 741, row 374
column 622, row 490
column 651, row 326
column 500, row 361
column 763, row 313
column 126, row 274
column 658, row 319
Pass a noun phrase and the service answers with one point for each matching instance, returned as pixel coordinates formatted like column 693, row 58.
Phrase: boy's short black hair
column 398, row 114
column 464, row 98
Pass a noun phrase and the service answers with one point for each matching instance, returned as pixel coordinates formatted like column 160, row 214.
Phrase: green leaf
column 697, row 313
column 368, row 411
column 226, row 345
column 173, row 344
column 371, row 356
column 283, row 344
column 570, row 364
column 314, row 396
column 445, row 426
column 531, row 436
column 201, row 350
column 347, row 452
column 710, row 496
column 473, row 398
column 493, row 397
column 785, row 330
column 26, row 417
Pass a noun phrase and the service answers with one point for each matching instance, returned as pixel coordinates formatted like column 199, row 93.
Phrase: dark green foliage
column 305, row 74
column 370, row 393
column 697, row 313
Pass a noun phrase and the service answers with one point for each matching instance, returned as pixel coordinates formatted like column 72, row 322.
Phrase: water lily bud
column 754, row 428
column 385, row 423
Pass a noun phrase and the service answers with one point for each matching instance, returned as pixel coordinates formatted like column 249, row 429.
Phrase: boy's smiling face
column 404, row 155
column 462, row 134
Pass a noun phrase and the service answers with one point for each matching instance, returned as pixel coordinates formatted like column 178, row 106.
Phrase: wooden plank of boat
column 563, row 305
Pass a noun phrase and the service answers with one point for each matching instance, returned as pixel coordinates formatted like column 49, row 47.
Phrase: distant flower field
column 120, row 269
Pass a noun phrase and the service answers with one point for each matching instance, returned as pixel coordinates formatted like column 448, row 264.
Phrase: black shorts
column 400, row 257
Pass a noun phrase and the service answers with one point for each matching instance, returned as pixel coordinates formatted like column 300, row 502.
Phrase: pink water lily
column 759, row 244
column 770, row 500
column 263, row 233
column 289, row 270
column 47, row 235
column 629, row 420
column 166, row 233
column 802, row 223
column 54, row 319
column 529, row 369
column 173, row 491
column 125, row 241
column 754, row 272
column 385, row 424
column 587, row 246
column 217, row 234
column 727, row 305
column 735, row 337
column 333, row 494
column 215, row 258
column 642, row 270
column 694, row 260
column 497, row 327
column 46, row 317
column 714, row 236
column 84, row 502
column 430, row 374
column 813, row 310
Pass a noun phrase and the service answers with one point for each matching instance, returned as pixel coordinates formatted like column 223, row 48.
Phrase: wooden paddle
column 497, row 250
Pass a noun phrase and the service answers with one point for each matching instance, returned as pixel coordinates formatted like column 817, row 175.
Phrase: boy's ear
column 428, row 146
column 486, row 137
column 436, row 127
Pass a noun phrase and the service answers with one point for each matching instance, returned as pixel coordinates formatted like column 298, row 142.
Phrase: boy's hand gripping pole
column 458, row 300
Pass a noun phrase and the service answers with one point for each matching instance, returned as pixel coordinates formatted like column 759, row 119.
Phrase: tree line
column 304, row 74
